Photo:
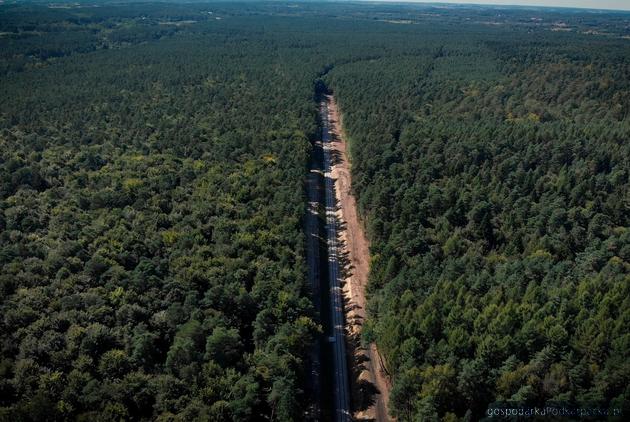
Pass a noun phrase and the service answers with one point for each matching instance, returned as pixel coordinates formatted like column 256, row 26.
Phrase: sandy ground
column 355, row 248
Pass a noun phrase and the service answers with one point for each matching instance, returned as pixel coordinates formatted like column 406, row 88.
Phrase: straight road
column 354, row 247
column 314, row 276
column 340, row 378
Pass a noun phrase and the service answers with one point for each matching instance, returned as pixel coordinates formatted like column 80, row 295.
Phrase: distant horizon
column 612, row 5
column 608, row 5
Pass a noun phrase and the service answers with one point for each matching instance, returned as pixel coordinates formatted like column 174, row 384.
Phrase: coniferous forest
column 152, row 166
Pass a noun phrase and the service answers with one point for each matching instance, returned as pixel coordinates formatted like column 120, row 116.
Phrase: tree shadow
column 364, row 393
column 335, row 157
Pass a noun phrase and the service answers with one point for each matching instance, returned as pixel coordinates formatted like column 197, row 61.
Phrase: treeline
column 151, row 245
column 493, row 174
column 152, row 160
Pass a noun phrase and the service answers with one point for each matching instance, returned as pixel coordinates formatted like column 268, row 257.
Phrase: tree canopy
column 152, row 167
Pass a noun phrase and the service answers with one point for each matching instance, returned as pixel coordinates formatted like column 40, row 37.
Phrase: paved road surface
column 354, row 246
column 314, row 276
column 341, row 381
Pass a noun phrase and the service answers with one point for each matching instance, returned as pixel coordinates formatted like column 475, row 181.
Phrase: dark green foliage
column 152, row 160
column 493, row 174
column 151, row 246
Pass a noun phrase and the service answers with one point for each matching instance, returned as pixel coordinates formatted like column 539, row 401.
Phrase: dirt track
column 368, row 371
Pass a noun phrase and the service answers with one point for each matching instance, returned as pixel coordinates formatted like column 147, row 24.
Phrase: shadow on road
column 363, row 392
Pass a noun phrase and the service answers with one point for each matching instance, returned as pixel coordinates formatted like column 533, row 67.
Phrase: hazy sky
column 593, row 4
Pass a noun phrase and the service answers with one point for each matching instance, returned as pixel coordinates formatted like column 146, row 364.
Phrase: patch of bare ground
column 370, row 384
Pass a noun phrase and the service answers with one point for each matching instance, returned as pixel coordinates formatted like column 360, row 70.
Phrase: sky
column 592, row 4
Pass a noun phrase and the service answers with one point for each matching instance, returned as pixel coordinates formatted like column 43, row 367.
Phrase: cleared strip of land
column 340, row 367
column 370, row 383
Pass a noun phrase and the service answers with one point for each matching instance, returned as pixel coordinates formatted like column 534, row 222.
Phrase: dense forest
column 150, row 214
column 493, row 174
column 152, row 165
